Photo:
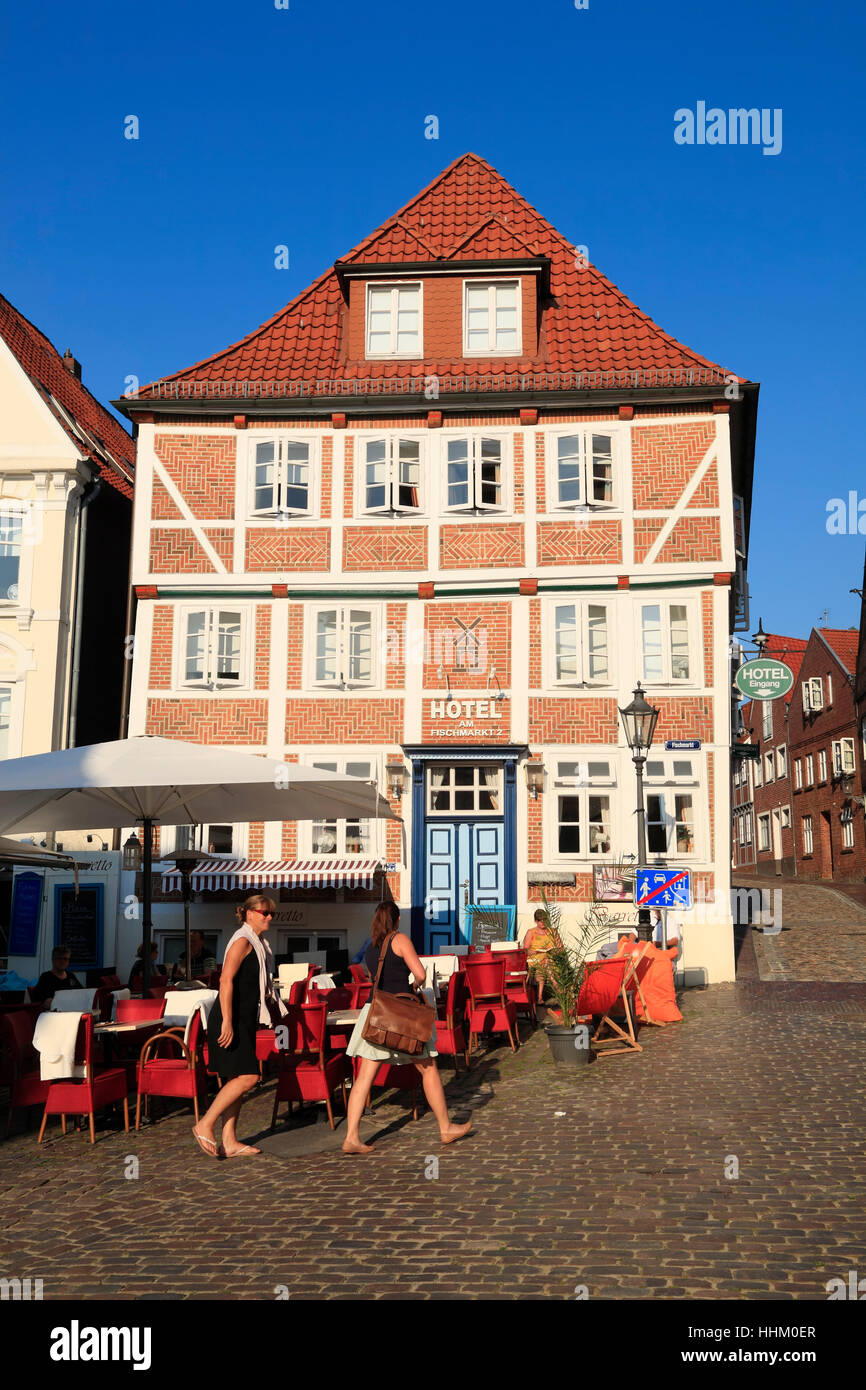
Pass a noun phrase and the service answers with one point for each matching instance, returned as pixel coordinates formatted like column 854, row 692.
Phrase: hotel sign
column 473, row 718
column 764, row 679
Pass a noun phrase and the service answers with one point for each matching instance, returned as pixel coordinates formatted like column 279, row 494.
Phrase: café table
column 107, row 1033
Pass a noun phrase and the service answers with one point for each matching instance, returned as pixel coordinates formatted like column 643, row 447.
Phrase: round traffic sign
column 764, row 678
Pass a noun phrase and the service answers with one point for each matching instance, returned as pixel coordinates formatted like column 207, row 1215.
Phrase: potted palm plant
column 563, row 970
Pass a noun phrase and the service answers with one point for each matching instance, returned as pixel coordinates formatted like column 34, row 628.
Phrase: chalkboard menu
column 26, row 911
column 488, row 922
column 78, row 923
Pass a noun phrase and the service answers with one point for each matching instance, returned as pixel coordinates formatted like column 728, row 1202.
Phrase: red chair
column 519, row 991
column 490, row 1010
column 403, row 1076
column 360, row 974
column 103, row 1000
column 135, row 1010
column 158, row 991
column 451, row 1020
column 111, row 982
column 298, row 992
column 96, row 1090
column 19, row 1063
column 182, row 1077
column 307, row 1070
column 603, row 995
column 361, row 992
column 212, row 979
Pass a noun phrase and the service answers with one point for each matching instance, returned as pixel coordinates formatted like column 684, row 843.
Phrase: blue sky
column 305, row 126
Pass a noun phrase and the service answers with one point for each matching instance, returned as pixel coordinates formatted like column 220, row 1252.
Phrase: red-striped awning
column 213, row 874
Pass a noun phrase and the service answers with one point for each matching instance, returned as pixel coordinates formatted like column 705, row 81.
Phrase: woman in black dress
column 231, row 1029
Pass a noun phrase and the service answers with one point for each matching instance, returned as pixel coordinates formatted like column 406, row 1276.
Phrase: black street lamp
column 639, row 721
column 185, row 861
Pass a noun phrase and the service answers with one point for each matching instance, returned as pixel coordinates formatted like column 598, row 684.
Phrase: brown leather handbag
column 402, row 1022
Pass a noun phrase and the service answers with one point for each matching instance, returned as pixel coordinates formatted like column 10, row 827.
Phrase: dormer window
column 491, row 318
column 394, row 320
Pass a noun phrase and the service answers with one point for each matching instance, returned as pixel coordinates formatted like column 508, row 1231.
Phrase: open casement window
column 491, row 317
column 583, row 470
column 282, row 477
column 813, row 695
column 583, row 798
column 394, row 320
column 464, row 789
column 343, row 654
column 345, row 836
column 392, row 475
column 581, row 648
column 670, row 805
column 11, row 537
column 665, row 643
column 213, row 647
column 474, row 477
column 843, row 756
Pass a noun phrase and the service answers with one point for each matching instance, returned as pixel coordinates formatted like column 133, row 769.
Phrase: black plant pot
column 568, row 1045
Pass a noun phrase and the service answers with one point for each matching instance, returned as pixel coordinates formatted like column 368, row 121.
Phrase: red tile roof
column 468, row 212
column 844, row 641
column 791, row 650
column 95, row 432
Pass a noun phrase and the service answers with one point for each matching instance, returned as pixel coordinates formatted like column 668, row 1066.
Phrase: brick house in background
column 430, row 524
column 762, row 830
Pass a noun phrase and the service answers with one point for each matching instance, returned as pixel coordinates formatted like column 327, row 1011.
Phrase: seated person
column 202, row 960
column 58, row 977
column 536, row 943
column 136, row 974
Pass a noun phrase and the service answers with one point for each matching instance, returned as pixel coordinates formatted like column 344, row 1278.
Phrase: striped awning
column 211, row 875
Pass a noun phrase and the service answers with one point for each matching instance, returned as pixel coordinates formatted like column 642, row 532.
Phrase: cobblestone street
column 614, row 1180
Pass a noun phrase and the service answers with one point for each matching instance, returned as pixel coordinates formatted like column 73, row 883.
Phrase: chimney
column 72, row 364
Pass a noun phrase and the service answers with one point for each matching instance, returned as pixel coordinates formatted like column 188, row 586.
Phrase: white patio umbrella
column 163, row 780
column 33, row 856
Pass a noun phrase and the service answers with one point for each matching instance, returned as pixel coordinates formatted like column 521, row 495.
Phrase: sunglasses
column 262, row 913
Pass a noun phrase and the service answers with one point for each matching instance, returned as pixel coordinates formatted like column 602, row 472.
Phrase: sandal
column 242, row 1153
column 208, row 1146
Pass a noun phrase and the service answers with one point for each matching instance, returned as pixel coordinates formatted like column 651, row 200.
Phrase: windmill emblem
column 467, row 656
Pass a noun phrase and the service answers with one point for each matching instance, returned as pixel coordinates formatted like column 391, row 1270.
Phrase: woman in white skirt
column 400, row 962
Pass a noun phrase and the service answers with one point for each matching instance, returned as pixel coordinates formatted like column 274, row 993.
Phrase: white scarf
column 265, row 959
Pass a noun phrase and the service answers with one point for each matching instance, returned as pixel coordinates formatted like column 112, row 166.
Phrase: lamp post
column 185, row 861
column 639, row 721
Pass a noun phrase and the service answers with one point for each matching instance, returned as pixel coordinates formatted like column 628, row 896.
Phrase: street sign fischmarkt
column 764, row 679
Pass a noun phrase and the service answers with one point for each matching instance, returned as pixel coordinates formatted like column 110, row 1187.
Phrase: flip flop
column 242, row 1153
column 207, row 1146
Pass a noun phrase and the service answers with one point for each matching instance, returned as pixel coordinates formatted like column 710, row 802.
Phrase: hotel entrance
column 463, row 840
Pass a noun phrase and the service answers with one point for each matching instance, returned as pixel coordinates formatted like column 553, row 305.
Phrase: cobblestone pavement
column 823, row 934
column 618, row 1178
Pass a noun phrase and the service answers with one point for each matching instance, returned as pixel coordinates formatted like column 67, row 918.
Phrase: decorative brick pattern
column 579, row 542
column 441, row 647
column 571, row 720
column 241, row 720
column 179, row 552
column 355, row 720
column 707, row 621
column 285, row 548
column 385, row 548
column 684, row 716
column 162, row 507
column 263, row 648
column 518, row 474
column 480, row 545
column 535, row 644
column 327, row 475
column 295, row 667
column 706, row 494
column 349, row 477
column 645, row 531
column 160, row 647
column 664, row 458
column 693, row 539
column 540, row 478
column 203, row 466
column 395, row 647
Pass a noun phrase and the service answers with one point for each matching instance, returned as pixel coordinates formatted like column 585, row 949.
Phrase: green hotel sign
column 764, row 679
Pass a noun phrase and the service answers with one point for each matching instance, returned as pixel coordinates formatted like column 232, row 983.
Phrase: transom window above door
column 394, row 320
column 465, row 789
column 491, row 317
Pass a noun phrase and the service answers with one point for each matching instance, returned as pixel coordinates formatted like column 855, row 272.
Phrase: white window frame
column 798, row 774
column 585, row 782
column 847, row 829
column 343, row 611
column 170, row 839
column 769, row 768
column 843, row 752
column 807, row 835
column 767, row 720
column 809, row 770
column 585, row 504
column 764, row 840
column 813, row 695
column 785, row 818
column 209, row 681
column 12, row 511
column 822, row 765
column 305, row 828
column 781, row 762
column 14, row 688
column 473, row 506
column 682, row 774
column 748, row 820
column 282, row 510
column 491, row 285
column 453, row 812
column 695, row 676
column 758, row 773
column 582, row 677
column 394, row 286
column 391, row 506
column 829, row 690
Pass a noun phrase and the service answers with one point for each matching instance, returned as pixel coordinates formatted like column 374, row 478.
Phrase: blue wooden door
column 464, row 864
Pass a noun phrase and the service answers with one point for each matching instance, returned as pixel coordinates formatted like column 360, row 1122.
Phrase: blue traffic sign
column 663, row 888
